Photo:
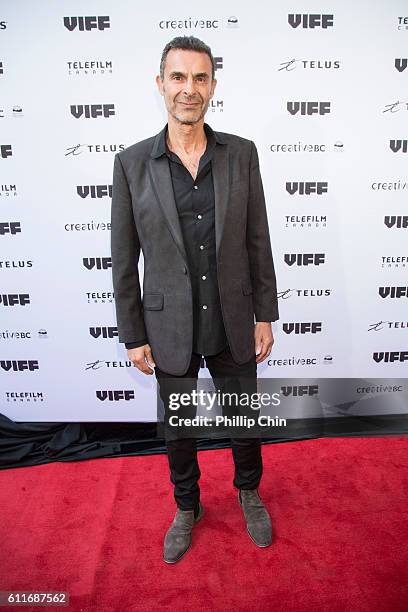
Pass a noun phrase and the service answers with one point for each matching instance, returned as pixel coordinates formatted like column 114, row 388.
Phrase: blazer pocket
column 246, row 287
column 153, row 301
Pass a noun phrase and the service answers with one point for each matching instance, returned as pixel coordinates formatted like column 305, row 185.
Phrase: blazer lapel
column 163, row 188
column 221, row 178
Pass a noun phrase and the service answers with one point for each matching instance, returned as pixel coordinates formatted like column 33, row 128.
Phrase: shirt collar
column 160, row 145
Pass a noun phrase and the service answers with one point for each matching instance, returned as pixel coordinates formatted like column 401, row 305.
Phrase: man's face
column 187, row 86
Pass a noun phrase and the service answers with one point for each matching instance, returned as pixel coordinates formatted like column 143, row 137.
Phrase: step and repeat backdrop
column 322, row 90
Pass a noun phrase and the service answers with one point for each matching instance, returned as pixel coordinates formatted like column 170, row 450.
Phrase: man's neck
column 187, row 138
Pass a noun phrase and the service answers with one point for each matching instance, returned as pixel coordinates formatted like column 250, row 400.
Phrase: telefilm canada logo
column 89, row 67
column 199, row 23
column 402, row 23
column 394, row 261
column 99, row 297
column 305, row 221
column 310, row 21
column 8, row 191
column 86, row 23
column 216, row 105
column 28, row 397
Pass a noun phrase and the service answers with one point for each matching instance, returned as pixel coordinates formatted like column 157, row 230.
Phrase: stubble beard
column 183, row 117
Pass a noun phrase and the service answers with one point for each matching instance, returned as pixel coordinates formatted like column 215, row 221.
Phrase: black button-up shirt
column 196, row 209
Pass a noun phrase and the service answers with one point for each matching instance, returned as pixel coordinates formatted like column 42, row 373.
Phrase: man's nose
column 189, row 86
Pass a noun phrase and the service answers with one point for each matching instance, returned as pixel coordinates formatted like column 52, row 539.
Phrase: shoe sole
column 196, row 520
column 259, row 545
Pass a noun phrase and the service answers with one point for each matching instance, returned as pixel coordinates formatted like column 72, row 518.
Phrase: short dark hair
column 188, row 43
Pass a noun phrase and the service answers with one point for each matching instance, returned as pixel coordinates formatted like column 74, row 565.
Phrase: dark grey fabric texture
column 144, row 217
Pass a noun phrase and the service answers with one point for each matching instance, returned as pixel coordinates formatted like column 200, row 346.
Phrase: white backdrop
column 325, row 100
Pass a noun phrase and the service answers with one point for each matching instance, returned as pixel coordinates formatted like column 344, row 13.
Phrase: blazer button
column 185, row 270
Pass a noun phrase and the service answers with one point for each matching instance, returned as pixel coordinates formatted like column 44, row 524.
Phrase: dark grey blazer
column 144, row 216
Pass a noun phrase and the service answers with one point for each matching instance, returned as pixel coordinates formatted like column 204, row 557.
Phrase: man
column 192, row 199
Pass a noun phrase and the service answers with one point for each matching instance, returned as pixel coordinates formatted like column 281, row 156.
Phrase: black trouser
column 182, row 453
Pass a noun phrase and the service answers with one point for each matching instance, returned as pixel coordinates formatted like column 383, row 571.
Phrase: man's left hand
column 263, row 340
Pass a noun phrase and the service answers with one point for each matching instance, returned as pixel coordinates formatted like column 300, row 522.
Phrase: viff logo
column 308, row 108
column 92, row 111
column 399, row 221
column 307, row 187
column 84, row 24
column 399, row 146
column 310, row 21
column 94, row 191
column 304, row 259
column 401, row 63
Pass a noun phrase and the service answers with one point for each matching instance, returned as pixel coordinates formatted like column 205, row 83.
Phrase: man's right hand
column 141, row 357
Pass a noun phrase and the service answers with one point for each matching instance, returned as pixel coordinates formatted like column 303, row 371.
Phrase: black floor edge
column 25, row 444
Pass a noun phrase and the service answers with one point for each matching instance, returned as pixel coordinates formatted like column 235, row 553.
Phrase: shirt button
column 199, row 216
column 201, row 247
column 204, row 277
column 195, row 187
column 204, row 306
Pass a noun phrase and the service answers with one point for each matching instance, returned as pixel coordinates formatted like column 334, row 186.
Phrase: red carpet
column 95, row 529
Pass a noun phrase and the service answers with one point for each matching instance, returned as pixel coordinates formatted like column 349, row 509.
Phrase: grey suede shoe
column 178, row 537
column 259, row 524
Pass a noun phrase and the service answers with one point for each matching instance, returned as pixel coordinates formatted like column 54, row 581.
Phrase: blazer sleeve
column 125, row 253
column 259, row 249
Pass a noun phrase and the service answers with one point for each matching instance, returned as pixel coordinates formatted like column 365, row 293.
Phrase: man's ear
column 159, row 84
column 213, row 85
